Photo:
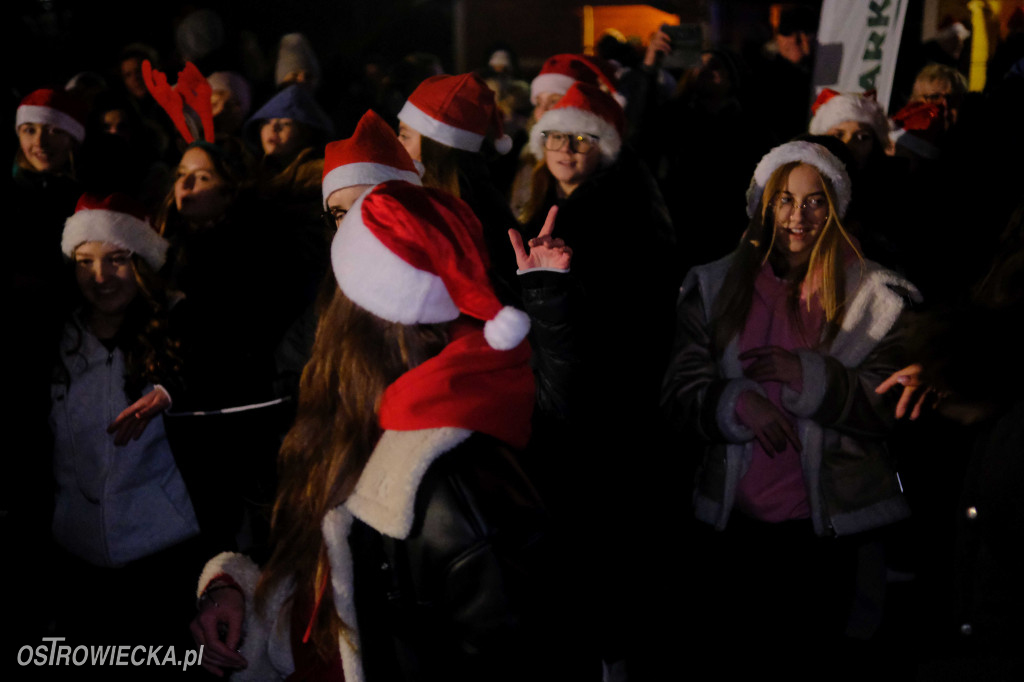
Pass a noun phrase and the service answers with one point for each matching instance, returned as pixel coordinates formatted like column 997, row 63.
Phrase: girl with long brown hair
column 123, row 516
column 406, row 542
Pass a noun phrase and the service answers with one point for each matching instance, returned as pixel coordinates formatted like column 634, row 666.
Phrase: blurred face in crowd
column 131, row 76
column 858, row 138
column 795, row 47
column 200, row 193
column 410, row 139
column 340, row 201
column 46, row 148
column 105, row 276
column 713, row 76
column 283, row 138
column 545, row 101
column 116, row 123
column 938, row 91
column 227, row 111
column 571, row 158
column 800, row 212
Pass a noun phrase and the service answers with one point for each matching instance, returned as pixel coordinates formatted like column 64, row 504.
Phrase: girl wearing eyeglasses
column 778, row 349
column 610, row 307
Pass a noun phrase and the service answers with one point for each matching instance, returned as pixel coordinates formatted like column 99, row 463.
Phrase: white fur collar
column 385, row 496
column 384, row 499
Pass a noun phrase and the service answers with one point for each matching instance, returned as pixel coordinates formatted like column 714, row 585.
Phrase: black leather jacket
column 476, row 591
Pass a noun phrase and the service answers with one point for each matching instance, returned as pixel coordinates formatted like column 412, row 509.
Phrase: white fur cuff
column 809, row 399
column 725, row 411
column 241, row 568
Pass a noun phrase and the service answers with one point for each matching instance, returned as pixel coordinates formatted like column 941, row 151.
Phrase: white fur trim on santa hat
column 573, row 120
column 558, row 83
column 439, row 131
column 114, row 227
column 507, row 329
column 857, row 108
column 803, row 152
column 32, row 113
column 364, row 173
column 376, row 279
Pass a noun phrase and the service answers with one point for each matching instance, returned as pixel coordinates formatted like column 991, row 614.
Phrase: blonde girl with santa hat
column 406, row 544
column 778, row 349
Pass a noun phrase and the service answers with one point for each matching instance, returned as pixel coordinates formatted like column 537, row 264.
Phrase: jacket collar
column 385, row 495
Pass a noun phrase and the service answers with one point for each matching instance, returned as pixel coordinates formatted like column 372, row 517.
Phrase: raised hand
column 545, row 250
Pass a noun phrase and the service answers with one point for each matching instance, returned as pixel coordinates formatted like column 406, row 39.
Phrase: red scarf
column 468, row 385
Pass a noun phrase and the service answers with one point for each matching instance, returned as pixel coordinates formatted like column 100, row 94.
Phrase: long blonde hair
column 355, row 356
column 822, row 277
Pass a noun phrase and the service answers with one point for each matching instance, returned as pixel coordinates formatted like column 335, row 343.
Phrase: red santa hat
column 116, row 219
column 831, row 168
column 414, row 255
column 53, row 107
column 457, row 111
column 560, row 71
column 587, row 109
column 371, row 156
column 832, row 108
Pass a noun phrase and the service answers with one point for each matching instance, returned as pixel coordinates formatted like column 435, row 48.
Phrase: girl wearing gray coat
column 779, row 346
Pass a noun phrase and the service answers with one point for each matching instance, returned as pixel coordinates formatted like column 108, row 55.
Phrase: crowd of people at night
column 618, row 369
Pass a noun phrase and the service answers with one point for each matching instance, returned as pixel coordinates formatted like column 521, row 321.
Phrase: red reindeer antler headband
column 192, row 89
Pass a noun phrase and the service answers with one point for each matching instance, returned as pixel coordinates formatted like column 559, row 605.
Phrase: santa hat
column 371, row 156
column 53, row 107
column 116, row 219
column 414, row 255
column 810, row 153
column 457, row 111
column 587, row 109
column 832, row 108
column 560, row 71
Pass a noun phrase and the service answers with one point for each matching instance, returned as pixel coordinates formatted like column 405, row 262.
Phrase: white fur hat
column 116, row 219
column 415, row 255
column 587, row 109
column 810, row 153
column 832, row 108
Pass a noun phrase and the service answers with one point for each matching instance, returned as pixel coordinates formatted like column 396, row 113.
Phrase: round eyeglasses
column 785, row 204
column 579, row 143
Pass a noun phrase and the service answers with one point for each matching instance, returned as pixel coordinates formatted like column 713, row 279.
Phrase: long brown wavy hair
column 823, row 276
column 355, row 356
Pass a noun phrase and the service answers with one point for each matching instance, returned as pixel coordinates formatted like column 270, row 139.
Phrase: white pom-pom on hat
column 507, row 329
column 415, row 255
